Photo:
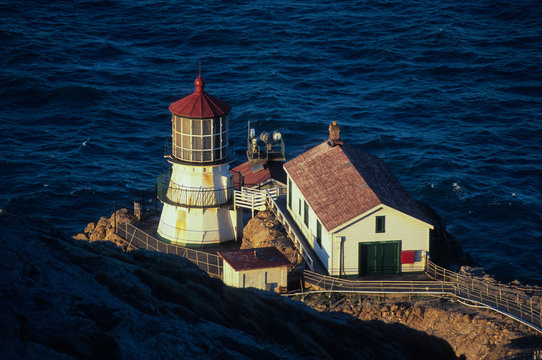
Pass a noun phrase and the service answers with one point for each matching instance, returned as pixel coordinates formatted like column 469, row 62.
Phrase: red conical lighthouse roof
column 200, row 104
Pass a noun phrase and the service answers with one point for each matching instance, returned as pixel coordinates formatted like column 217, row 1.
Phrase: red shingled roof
column 251, row 259
column 342, row 182
column 256, row 175
column 200, row 104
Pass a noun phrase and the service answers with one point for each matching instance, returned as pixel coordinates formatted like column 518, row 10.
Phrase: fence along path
column 333, row 284
column 136, row 238
column 535, row 355
column 512, row 303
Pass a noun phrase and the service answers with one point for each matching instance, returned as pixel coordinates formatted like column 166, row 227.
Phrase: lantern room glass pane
column 206, row 127
column 196, row 127
column 199, row 140
column 178, row 140
column 176, row 123
column 197, row 143
column 186, row 126
column 216, row 126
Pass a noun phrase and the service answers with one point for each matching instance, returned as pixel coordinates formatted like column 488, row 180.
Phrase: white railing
column 290, row 230
column 249, row 198
column 261, row 199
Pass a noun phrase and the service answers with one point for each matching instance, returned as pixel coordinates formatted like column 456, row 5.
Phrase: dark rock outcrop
column 66, row 299
column 104, row 229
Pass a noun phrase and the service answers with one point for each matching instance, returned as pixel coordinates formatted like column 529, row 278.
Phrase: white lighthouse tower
column 197, row 194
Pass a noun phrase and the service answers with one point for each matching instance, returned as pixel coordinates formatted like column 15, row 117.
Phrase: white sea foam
column 457, row 187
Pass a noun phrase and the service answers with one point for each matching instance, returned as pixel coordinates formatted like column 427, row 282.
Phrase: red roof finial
column 200, row 104
column 200, row 83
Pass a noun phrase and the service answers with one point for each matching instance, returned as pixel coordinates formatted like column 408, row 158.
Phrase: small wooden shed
column 262, row 268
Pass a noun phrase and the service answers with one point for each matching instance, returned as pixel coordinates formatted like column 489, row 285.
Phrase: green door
column 379, row 258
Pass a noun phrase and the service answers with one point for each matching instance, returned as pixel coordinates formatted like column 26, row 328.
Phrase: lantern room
column 200, row 127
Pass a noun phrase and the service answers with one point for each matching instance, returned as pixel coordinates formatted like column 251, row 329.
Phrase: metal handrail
column 532, row 355
column 501, row 298
column 330, row 283
column 515, row 305
column 211, row 264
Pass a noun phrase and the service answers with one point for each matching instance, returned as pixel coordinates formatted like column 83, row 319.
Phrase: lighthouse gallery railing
column 171, row 193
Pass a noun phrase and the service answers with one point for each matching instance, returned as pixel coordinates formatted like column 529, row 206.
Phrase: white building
column 197, row 194
column 261, row 268
column 354, row 212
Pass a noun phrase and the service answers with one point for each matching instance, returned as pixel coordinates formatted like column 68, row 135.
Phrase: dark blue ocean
column 447, row 93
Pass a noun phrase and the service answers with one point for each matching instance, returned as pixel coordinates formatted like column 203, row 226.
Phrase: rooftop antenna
column 200, row 83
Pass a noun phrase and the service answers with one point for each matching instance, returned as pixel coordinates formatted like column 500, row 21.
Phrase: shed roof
column 256, row 174
column 200, row 104
column 252, row 259
column 342, row 182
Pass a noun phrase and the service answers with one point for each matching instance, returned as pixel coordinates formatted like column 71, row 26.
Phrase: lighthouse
column 197, row 192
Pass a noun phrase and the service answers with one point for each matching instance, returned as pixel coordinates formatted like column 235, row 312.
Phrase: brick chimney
column 334, row 137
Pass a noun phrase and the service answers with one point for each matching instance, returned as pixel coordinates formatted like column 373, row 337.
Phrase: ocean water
column 448, row 94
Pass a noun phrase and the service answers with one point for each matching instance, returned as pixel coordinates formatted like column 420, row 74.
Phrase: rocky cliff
column 476, row 333
column 104, row 228
column 64, row 299
column 265, row 230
